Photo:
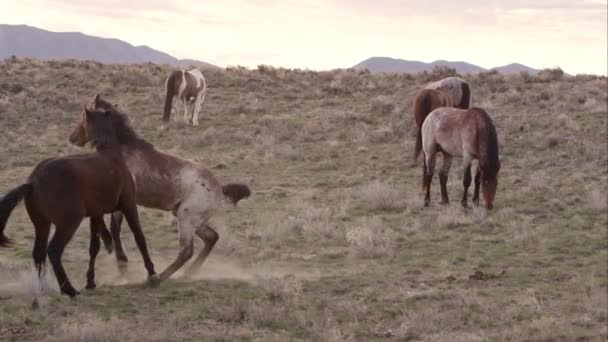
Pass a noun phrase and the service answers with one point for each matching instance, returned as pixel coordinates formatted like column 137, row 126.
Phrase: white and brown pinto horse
column 456, row 88
column 166, row 182
column 466, row 133
column 190, row 88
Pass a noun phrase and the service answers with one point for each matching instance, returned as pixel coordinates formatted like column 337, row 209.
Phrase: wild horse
column 64, row 190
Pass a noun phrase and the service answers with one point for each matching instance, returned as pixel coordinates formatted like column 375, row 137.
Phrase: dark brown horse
column 469, row 134
column 166, row 182
column 64, row 190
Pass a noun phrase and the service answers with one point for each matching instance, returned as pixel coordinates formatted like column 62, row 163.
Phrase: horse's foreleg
column 129, row 209
column 186, row 104
column 106, row 236
column 476, row 189
column 209, row 237
column 121, row 257
column 94, row 246
column 466, row 182
column 466, row 178
column 186, row 247
column 443, row 177
column 197, row 107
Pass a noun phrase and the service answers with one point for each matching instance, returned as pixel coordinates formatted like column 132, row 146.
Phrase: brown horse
column 469, row 134
column 426, row 101
column 64, row 190
column 190, row 87
column 169, row 183
column 456, row 88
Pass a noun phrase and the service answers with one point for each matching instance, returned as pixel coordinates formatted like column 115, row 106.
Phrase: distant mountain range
column 391, row 65
column 32, row 42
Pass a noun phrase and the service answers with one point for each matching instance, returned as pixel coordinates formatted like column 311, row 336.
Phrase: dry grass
column 334, row 244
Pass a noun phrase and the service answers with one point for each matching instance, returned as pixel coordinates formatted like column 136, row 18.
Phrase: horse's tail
column 7, row 204
column 465, row 100
column 235, row 192
column 171, row 86
column 423, row 105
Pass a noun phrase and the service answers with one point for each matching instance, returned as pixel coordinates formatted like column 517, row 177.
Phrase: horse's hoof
column 91, row 286
column 445, row 203
column 71, row 292
column 153, row 280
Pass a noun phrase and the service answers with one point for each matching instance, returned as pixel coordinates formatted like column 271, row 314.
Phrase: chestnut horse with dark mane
column 469, row 134
column 426, row 101
column 190, row 87
column 166, row 182
column 64, row 190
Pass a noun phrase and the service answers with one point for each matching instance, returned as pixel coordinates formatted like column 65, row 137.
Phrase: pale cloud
column 329, row 34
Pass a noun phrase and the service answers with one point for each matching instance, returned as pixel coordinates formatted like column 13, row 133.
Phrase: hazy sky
column 327, row 34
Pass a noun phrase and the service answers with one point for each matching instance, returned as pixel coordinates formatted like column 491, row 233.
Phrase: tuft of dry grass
column 380, row 196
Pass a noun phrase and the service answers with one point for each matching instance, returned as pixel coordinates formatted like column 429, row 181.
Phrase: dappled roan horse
column 190, row 88
column 456, row 88
column 64, row 190
column 469, row 134
column 166, row 182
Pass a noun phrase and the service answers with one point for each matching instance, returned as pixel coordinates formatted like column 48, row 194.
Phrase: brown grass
column 334, row 244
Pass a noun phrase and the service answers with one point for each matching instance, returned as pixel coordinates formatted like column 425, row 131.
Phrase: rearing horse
column 166, row 182
column 469, row 134
column 190, row 88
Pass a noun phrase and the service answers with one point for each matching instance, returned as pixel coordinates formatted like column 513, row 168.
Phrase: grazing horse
column 469, row 134
column 190, row 87
column 64, row 190
column 456, row 88
column 166, row 182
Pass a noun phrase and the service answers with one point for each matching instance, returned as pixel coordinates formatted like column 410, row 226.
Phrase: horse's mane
column 125, row 133
column 488, row 144
column 120, row 122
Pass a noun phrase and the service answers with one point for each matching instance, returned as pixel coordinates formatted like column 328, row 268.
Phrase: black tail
column 422, row 108
column 7, row 204
column 170, row 91
column 236, row 192
column 465, row 100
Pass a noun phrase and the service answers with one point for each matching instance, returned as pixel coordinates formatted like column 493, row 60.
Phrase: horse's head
column 79, row 135
column 95, row 127
column 489, row 183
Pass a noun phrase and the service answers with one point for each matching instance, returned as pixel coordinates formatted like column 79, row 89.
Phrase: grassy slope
column 334, row 244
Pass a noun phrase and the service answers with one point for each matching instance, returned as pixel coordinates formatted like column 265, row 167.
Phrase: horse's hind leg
column 428, row 176
column 130, row 212
column 443, row 177
column 209, row 237
column 42, row 228
column 187, row 227
column 121, row 257
column 476, row 189
column 106, row 236
column 97, row 225
column 63, row 234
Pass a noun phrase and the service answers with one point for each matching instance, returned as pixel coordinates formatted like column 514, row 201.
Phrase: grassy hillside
column 334, row 243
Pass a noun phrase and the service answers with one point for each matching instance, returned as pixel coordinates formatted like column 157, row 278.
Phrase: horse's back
column 451, row 128
column 457, row 89
column 90, row 184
